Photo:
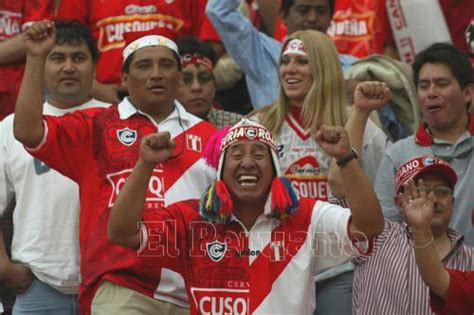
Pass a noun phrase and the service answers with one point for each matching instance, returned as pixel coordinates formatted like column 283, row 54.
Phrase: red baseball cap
column 422, row 164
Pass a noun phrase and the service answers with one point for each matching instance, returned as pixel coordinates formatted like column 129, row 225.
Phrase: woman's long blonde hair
column 325, row 102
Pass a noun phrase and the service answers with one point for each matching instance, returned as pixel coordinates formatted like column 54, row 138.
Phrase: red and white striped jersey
column 268, row 269
column 108, row 20
column 98, row 149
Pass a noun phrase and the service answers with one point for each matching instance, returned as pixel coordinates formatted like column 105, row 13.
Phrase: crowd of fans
column 236, row 157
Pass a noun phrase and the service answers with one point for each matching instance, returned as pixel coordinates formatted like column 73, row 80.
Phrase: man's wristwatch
column 346, row 158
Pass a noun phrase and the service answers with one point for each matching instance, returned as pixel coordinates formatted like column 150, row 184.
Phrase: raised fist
column 156, row 147
column 334, row 141
column 370, row 95
column 40, row 38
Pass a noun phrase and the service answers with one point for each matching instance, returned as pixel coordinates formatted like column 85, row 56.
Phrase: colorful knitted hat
column 216, row 203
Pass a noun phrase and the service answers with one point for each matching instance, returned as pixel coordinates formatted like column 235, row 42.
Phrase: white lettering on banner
column 395, row 12
column 113, row 28
column 413, row 22
column 156, row 186
column 115, row 31
column 349, row 27
column 406, row 49
column 221, row 301
column 10, row 24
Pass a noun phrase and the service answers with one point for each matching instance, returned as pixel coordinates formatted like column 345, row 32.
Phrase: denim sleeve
column 256, row 53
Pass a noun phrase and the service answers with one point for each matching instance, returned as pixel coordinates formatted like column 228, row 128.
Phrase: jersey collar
column 424, row 138
column 126, row 110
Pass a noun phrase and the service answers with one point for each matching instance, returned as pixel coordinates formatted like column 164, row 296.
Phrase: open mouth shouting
column 247, row 180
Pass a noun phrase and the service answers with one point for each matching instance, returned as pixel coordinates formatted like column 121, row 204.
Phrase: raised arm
column 367, row 217
column 417, row 208
column 368, row 96
column 28, row 127
column 268, row 10
column 12, row 50
column 128, row 208
column 251, row 49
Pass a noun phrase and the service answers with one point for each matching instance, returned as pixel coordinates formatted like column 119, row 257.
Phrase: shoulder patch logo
column 216, row 250
column 127, row 136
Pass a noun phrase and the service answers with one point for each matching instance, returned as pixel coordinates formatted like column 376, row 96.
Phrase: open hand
column 416, row 205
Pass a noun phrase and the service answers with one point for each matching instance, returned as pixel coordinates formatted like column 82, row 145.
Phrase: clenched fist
column 334, row 141
column 156, row 147
column 40, row 38
column 370, row 95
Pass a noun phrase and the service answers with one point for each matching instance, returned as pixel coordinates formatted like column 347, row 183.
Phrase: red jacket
column 460, row 293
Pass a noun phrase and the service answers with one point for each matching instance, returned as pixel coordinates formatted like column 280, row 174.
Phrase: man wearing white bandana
column 250, row 245
column 97, row 148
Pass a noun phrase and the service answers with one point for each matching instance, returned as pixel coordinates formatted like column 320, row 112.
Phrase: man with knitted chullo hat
column 249, row 246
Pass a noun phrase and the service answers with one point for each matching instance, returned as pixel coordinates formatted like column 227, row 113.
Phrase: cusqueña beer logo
column 221, row 301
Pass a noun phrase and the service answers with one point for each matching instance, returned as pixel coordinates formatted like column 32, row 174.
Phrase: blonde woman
column 310, row 94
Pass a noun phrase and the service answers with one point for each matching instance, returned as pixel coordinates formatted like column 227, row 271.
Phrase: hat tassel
column 283, row 199
column 216, row 203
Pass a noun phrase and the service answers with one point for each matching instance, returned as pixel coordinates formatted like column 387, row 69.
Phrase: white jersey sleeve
column 6, row 186
column 330, row 226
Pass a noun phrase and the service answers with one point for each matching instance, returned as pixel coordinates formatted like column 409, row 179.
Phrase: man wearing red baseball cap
column 97, row 148
column 451, row 290
column 388, row 281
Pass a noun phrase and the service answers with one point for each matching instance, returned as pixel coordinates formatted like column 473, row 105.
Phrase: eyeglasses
column 440, row 191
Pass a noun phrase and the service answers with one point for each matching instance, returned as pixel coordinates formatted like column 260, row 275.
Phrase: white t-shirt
column 46, row 215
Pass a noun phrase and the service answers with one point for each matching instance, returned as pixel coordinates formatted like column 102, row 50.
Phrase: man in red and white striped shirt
column 97, row 149
column 388, row 280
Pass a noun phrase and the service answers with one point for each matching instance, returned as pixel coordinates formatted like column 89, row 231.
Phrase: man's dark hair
column 448, row 55
column 287, row 4
column 126, row 65
column 75, row 33
column 192, row 45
